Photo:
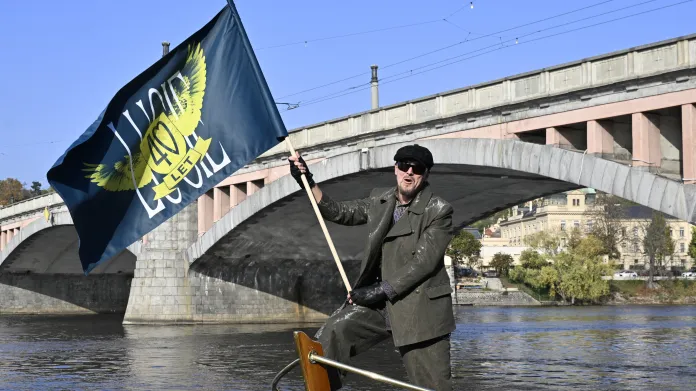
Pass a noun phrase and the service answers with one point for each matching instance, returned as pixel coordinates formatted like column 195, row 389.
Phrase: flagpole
column 321, row 221
column 271, row 104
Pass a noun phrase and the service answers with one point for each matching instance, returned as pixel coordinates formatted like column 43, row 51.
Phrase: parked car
column 625, row 274
column 490, row 273
column 460, row 271
column 689, row 275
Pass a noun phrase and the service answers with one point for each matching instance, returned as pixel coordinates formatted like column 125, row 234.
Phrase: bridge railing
column 31, row 205
column 629, row 64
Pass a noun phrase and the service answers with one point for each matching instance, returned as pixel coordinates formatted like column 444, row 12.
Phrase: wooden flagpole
column 321, row 221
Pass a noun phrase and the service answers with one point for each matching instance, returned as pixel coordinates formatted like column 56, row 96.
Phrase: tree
column 482, row 224
column 502, row 263
column 692, row 244
column 545, row 241
column 607, row 214
column 574, row 238
column 36, row 188
column 11, row 190
column 657, row 244
column 577, row 274
column 464, row 246
column 531, row 259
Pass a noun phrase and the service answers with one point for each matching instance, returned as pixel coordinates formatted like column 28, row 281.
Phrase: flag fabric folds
column 176, row 130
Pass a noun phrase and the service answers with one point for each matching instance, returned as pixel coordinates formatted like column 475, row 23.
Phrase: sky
column 62, row 62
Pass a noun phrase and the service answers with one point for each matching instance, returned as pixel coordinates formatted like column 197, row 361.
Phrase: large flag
column 183, row 125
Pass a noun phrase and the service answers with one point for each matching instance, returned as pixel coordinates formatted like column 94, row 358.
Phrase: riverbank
column 667, row 292
column 628, row 292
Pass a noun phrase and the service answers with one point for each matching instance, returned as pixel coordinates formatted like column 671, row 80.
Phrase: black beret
column 415, row 152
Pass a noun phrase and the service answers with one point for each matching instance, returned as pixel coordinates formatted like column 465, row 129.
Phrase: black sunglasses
column 418, row 169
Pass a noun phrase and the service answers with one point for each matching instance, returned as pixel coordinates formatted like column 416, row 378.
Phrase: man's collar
column 417, row 204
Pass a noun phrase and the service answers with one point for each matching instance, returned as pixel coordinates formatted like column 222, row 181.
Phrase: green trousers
column 352, row 330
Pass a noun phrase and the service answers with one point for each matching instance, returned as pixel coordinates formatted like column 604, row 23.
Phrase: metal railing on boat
column 316, row 376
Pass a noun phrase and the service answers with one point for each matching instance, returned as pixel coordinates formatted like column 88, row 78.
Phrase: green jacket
column 412, row 258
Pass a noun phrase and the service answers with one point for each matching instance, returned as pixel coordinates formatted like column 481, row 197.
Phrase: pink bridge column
column 237, row 194
column 205, row 212
column 555, row 137
column 10, row 234
column 254, row 186
column 3, row 240
column 689, row 143
column 221, row 198
column 646, row 141
column 599, row 138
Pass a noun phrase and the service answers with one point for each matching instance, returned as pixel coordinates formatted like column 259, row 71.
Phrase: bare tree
column 607, row 215
column 657, row 244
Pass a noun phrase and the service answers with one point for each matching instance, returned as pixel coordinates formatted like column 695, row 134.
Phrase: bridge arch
column 478, row 176
column 40, row 272
column 51, row 247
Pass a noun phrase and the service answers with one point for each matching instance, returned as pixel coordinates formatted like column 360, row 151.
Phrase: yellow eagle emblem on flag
column 163, row 147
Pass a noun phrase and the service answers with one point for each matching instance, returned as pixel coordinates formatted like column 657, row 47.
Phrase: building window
column 562, row 225
column 576, row 224
column 589, row 225
column 635, row 261
column 681, row 232
column 681, row 247
column 671, row 232
column 635, row 232
column 636, row 248
column 576, row 202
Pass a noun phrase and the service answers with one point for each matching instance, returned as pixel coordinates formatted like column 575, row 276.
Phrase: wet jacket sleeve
column 430, row 253
column 344, row 212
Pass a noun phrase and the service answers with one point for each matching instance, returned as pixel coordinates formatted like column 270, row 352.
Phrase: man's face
column 410, row 175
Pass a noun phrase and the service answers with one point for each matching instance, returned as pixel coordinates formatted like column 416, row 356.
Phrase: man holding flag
column 403, row 290
column 179, row 128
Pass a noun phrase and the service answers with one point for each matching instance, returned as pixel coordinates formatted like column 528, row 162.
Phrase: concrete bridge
column 250, row 250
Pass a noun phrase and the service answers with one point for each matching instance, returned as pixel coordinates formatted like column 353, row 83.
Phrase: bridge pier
column 167, row 289
column 161, row 290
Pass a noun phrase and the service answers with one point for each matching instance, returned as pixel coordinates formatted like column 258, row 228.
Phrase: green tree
column 531, row 259
column 575, row 274
column 578, row 273
column 464, row 247
column 545, row 241
column 502, row 263
column 692, row 244
column 657, row 244
column 11, row 190
column 36, row 188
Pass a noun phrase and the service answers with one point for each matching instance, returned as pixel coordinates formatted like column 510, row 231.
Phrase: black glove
column 295, row 172
column 369, row 295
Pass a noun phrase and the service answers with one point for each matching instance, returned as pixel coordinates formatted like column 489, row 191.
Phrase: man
column 403, row 289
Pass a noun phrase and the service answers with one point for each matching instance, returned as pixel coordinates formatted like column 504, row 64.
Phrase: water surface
column 551, row 348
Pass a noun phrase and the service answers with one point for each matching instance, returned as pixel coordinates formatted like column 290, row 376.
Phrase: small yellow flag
column 46, row 213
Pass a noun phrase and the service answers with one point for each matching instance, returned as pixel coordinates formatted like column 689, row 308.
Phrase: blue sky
column 63, row 61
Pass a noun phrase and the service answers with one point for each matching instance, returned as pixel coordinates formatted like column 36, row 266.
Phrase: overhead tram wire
column 493, row 34
column 350, row 34
column 496, row 45
column 504, row 47
column 523, row 36
column 490, row 46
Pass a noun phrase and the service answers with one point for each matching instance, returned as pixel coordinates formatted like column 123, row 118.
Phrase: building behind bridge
column 560, row 213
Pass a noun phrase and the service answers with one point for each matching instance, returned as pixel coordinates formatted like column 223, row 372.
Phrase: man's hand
column 368, row 296
column 299, row 167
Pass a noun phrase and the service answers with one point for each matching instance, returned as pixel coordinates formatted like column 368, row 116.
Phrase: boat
column 313, row 364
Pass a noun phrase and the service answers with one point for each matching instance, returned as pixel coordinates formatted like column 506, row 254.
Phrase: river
column 522, row 348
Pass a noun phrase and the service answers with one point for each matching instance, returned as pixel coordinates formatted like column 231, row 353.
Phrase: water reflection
column 611, row 348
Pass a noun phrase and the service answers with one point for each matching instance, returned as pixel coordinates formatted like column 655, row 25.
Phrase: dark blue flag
column 182, row 126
